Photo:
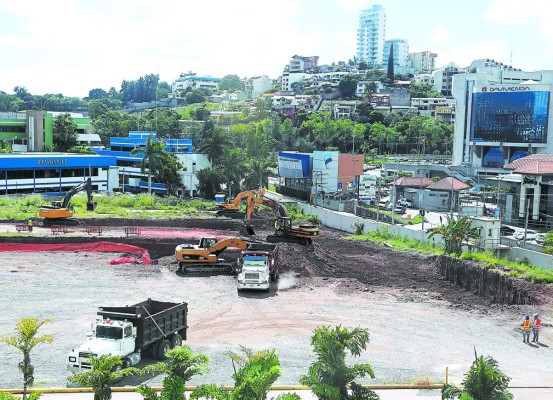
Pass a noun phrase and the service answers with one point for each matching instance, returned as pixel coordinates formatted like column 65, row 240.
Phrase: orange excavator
column 61, row 212
column 204, row 256
column 231, row 209
column 285, row 231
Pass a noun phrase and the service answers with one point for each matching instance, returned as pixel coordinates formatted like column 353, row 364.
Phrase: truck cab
column 111, row 337
column 254, row 273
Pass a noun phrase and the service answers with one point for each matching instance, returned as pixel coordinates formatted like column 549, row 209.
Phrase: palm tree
column 329, row 376
column 454, row 232
column 105, row 371
column 483, row 380
column 214, row 144
column 181, row 365
column 232, row 167
column 151, row 151
column 256, row 372
column 25, row 340
column 258, row 174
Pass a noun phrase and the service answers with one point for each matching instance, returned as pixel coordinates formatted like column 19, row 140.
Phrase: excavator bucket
column 247, row 229
column 91, row 206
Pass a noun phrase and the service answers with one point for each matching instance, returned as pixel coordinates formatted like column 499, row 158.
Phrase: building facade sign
column 51, row 162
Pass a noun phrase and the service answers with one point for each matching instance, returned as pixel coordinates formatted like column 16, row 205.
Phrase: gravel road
column 419, row 323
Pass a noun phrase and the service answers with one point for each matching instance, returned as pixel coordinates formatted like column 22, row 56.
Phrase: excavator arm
column 285, row 231
column 76, row 189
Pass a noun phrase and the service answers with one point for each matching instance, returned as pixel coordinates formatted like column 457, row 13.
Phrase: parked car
column 400, row 210
column 540, row 238
column 530, row 235
column 506, row 230
column 383, row 204
column 405, row 203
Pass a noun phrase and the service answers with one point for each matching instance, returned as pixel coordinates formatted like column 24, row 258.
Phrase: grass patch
column 520, row 269
column 402, row 244
column 111, row 206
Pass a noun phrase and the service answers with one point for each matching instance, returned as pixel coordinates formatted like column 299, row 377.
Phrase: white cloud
column 517, row 12
column 462, row 56
column 100, row 44
column 352, row 5
column 439, row 35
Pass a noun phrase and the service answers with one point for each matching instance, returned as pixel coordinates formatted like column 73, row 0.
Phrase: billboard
column 515, row 114
column 294, row 165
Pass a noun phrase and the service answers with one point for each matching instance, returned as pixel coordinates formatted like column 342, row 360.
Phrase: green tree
column 454, row 232
column 230, row 83
column 329, row 376
column 96, row 94
column 484, row 380
column 8, row 396
column 209, row 182
column 151, row 152
column 214, row 143
column 232, row 166
column 195, row 96
column 168, row 171
column 25, row 339
column 548, row 243
column 201, row 113
column 363, row 65
column 181, row 365
column 65, row 132
column 6, row 147
column 390, row 71
column 256, row 372
column 423, row 90
column 348, row 85
column 258, row 173
column 106, row 370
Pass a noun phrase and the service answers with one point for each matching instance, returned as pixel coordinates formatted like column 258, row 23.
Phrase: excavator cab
column 207, row 242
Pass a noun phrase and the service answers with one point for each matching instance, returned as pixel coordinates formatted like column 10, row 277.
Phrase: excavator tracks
column 200, row 269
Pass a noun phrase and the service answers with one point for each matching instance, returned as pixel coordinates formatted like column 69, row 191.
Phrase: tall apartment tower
column 401, row 55
column 371, row 34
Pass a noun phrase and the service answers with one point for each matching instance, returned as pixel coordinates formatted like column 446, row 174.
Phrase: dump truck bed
column 153, row 319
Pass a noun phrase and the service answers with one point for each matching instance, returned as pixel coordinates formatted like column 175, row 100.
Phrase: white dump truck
column 258, row 266
column 151, row 326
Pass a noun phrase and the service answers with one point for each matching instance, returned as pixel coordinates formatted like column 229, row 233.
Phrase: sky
column 73, row 46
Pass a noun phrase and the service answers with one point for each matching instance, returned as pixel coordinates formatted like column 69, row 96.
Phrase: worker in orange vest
column 536, row 327
column 526, row 325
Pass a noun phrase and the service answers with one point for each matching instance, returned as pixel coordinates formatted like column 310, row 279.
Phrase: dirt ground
column 419, row 323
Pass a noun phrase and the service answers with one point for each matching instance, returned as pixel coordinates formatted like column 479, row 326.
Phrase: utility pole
column 526, row 221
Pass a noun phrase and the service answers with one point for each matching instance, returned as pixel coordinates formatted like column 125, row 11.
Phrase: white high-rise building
column 401, row 55
column 371, row 34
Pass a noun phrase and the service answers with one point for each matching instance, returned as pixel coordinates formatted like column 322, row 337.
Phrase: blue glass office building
column 513, row 117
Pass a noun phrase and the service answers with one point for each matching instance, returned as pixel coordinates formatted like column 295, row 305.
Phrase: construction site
column 262, row 283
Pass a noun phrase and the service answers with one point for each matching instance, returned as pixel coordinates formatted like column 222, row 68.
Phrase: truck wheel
column 176, row 341
column 163, row 347
column 153, row 349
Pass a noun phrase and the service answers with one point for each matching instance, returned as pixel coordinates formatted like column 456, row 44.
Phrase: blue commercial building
column 130, row 176
column 55, row 173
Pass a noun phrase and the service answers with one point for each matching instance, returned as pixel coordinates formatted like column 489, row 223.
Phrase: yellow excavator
column 61, row 212
column 204, row 256
column 285, row 231
column 231, row 209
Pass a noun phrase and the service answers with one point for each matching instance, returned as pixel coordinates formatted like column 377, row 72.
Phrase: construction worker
column 30, row 225
column 536, row 327
column 526, row 325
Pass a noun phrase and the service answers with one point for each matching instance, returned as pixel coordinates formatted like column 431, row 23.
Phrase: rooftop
column 448, row 183
column 411, row 181
column 534, row 164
